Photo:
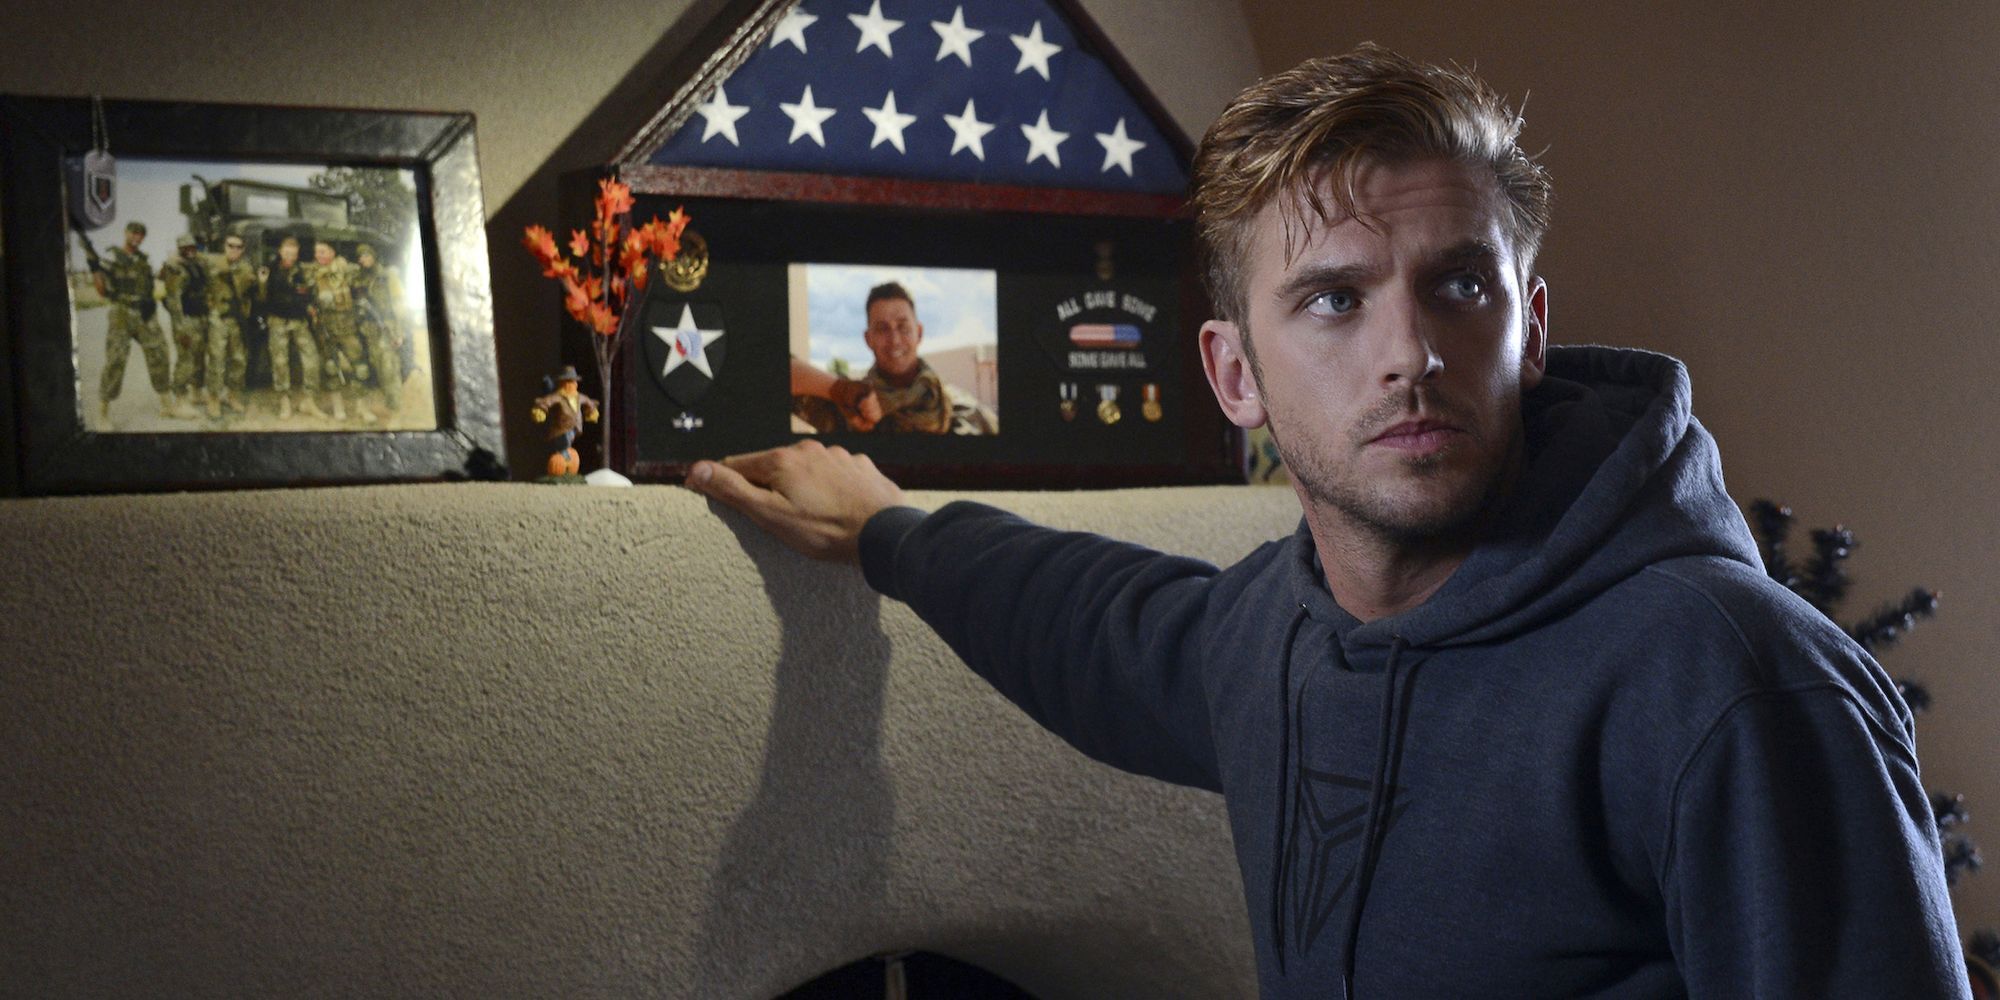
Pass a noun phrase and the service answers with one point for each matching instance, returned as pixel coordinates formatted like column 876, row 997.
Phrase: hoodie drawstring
column 1377, row 816
column 1287, row 796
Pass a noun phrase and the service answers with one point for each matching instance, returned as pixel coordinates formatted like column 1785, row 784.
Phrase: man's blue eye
column 1331, row 303
column 1463, row 287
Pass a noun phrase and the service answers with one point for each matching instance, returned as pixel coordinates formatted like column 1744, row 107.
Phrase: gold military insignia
column 685, row 271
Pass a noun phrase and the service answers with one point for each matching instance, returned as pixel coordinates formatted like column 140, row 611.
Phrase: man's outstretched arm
column 1095, row 639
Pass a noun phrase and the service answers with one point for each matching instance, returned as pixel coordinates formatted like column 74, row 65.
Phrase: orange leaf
column 576, row 299
column 603, row 320
column 639, row 278
column 579, row 242
column 540, row 242
column 614, row 197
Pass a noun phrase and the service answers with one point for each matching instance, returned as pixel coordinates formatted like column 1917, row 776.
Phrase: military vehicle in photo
column 264, row 213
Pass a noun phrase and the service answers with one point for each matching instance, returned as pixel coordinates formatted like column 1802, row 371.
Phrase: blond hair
column 1288, row 134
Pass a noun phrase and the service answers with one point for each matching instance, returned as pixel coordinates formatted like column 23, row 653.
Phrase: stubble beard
column 1437, row 512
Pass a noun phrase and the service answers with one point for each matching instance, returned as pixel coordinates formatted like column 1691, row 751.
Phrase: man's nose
column 1409, row 350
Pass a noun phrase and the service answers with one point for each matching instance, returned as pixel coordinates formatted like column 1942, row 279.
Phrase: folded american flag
column 933, row 90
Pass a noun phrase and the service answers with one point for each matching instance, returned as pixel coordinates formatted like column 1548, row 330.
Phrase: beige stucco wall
column 1800, row 202
column 506, row 740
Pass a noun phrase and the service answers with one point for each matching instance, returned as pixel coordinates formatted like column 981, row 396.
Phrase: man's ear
column 1229, row 374
column 1535, row 344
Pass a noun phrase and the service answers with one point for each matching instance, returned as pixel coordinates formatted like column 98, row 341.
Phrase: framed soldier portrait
column 961, row 247
column 242, row 296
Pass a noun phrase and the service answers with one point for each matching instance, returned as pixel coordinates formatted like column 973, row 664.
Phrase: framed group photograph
column 208, row 295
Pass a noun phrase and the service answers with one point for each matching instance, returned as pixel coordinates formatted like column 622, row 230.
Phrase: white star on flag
column 1034, row 51
column 889, row 123
column 875, row 29
column 793, row 28
column 807, row 119
column 955, row 39
column 968, row 132
column 687, row 344
column 1118, row 148
column 1043, row 140
column 719, row 117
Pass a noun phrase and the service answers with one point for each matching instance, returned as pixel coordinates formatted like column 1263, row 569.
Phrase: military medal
column 1107, row 406
column 1151, row 407
column 1067, row 390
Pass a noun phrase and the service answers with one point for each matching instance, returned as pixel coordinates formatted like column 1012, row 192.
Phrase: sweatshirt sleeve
column 1803, row 859
column 1095, row 639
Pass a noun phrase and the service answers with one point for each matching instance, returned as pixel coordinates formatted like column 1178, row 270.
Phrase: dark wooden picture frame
column 53, row 448
column 1059, row 253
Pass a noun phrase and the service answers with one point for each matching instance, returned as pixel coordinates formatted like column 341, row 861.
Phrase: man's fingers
column 760, row 467
column 718, row 480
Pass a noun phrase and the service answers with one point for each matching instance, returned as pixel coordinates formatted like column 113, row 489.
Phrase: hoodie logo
column 1323, row 850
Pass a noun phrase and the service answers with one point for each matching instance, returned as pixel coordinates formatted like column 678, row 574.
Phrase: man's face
column 188, row 252
column 893, row 334
column 567, row 387
column 367, row 258
column 232, row 249
column 323, row 253
column 1391, row 362
column 288, row 253
column 133, row 238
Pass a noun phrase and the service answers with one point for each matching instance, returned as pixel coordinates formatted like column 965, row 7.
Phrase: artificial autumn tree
column 606, row 265
column 1822, row 580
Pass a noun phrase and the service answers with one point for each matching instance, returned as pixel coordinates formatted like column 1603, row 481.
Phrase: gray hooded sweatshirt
column 1608, row 758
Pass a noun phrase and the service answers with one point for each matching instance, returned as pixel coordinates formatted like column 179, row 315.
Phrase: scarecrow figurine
column 564, row 409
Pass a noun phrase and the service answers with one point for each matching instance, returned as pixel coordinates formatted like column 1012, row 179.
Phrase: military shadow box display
column 204, row 295
column 953, row 238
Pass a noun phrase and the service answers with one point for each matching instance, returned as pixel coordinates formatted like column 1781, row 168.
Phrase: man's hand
column 858, row 398
column 813, row 498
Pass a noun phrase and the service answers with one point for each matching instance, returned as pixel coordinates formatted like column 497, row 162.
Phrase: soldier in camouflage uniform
column 127, row 280
column 287, row 292
column 186, row 279
column 232, row 284
column 378, row 298
column 912, row 395
column 339, row 326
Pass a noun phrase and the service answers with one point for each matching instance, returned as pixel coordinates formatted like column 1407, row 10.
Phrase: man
column 231, row 285
column 1515, row 712
column 339, row 326
column 128, row 282
column 912, row 396
column 378, row 299
column 287, row 292
column 185, row 278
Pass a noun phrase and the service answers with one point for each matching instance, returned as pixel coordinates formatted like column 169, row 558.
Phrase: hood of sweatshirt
column 1617, row 475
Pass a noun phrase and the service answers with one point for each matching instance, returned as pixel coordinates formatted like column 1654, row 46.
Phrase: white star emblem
column 687, row 344
column 955, row 39
column 1034, row 51
column 1043, row 140
column 1118, row 148
column 875, row 29
column 968, row 132
column 719, row 117
column 889, row 123
column 807, row 119
column 793, row 28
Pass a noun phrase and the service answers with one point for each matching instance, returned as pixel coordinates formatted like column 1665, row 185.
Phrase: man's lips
column 1416, row 436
